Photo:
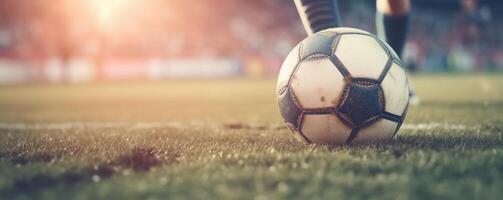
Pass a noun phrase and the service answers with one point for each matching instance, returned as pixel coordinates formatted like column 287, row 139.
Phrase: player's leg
column 317, row 15
column 392, row 21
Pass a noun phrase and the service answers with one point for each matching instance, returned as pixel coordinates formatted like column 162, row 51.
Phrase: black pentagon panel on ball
column 319, row 43
column 289, row 110
column 362, row 104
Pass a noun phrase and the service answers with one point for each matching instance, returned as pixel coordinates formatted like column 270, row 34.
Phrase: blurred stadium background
column 93, row 40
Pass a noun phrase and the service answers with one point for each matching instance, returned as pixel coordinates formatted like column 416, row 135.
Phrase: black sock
column 318, row 15
column 393, row 30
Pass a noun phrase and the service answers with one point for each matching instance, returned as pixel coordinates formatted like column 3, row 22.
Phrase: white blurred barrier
column 83, row 69
column 123, row 69
column 12, row 71
column 193, row 68
column 77, row 69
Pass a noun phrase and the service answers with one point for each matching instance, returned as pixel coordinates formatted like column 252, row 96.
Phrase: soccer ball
column 342, row 86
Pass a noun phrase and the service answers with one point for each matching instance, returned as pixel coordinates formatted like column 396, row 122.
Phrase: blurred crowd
column 464, row 38
column 453, row 35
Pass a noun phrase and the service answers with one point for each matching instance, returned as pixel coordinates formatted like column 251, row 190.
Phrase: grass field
column 225, row 140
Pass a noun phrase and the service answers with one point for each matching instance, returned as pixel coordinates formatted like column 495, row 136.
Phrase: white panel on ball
column 287, row 68
column 325, row 129
column 396, row 91
column 346, row 30
column 362, row 55
column 381, row 130
column 317, row 83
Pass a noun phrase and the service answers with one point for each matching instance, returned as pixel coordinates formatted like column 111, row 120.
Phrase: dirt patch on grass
column 22, row 159
column 138, row 160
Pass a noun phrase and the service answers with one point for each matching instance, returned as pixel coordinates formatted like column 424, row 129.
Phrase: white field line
column 436, row 125
column 179, row 125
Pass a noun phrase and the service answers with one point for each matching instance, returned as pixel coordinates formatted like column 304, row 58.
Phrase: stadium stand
column 57, row 40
